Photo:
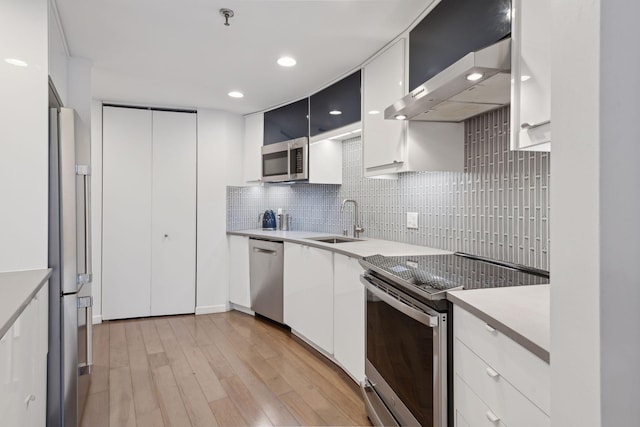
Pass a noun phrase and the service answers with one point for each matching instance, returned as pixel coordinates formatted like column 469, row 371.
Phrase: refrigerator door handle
column 87, row 303
column 85, row 170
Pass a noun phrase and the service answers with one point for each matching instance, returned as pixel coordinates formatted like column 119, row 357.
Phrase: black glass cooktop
column 436, row 274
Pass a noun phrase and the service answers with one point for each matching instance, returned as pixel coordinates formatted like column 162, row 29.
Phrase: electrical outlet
column 412, row 220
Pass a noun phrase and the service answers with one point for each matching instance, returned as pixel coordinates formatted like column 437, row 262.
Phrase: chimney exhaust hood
column 478, row 82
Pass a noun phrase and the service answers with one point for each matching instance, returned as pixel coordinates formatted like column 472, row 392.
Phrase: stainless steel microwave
column 286, row 161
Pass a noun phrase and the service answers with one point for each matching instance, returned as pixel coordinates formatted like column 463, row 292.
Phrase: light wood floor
column 225, row 369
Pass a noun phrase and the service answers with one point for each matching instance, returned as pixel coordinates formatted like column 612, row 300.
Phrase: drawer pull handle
column 492, row 373
column 492, row 417
column 489, row 328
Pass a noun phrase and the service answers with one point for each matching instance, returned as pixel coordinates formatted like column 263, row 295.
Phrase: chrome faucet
column 357, row 229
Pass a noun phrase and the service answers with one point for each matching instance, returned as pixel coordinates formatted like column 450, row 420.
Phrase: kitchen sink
column 335, row 239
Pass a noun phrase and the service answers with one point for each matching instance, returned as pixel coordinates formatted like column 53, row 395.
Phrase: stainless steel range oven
column 408, row 365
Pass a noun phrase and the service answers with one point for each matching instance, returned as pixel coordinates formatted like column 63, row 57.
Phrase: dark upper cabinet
column 288, row 122
column 336, row 106
column 453, row 29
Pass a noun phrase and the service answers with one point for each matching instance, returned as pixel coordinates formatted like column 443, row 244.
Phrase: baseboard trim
column 242, row 309
column 209, row 309
column 96, row 319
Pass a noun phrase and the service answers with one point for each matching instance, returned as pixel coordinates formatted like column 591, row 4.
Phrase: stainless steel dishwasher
column 265, row 277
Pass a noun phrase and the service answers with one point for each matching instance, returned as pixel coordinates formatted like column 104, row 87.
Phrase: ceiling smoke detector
column 226, row 13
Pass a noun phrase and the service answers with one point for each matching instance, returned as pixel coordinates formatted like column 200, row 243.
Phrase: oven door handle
column 425, row 319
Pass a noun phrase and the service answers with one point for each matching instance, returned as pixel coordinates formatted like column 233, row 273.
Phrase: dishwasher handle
column 420, row 316
column 265, row 251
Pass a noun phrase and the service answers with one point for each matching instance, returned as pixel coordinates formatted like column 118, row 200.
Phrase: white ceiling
column 179, row 53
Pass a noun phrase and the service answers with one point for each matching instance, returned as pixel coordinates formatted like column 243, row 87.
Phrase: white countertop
column 520, row 312
column 364, row 247
column 17, row 289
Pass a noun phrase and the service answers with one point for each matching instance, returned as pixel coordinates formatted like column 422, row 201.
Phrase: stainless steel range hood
column 450, row 96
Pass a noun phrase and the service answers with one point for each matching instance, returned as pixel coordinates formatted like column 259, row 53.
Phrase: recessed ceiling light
column 401, row 117
column 524, row 78
column 474, row 76
column 335, row 112
column 16, row 62
column 235, row 94
column 374, row 112
column 286, row 61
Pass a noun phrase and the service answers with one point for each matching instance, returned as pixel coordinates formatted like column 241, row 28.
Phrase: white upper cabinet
column 531, row 76
column 253, row 135
column 392, row 146
column 383, row 84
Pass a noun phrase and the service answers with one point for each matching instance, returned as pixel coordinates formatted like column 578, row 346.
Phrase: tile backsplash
column 498, row 207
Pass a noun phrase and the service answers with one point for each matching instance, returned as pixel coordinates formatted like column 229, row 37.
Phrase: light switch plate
column 412, row 220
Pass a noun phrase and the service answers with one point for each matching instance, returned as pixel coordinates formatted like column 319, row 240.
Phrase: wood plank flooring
column 226, row 369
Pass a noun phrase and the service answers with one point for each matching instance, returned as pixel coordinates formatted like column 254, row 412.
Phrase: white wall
column 220, row 160
column 24, row 135
column 595, row 249
column 619, row 213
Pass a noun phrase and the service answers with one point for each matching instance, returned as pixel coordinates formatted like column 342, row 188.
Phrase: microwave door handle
column 425, row 319
column 289, row 160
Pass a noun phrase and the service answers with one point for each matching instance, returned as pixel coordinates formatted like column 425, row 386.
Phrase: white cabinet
column 149, row 212
column 308, row 293
column 348, row 316
column 23, row 366
column 531, row 76
column 253, row 137
column 496, row 379
column 392, row 146
column 239, row 291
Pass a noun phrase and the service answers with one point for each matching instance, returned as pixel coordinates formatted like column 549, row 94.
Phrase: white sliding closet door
column 173, row 214
column 126, row 208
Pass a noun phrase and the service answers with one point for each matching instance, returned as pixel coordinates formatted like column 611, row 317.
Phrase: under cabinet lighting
column 335, row 112
column 400, row 117
column 474, row 77
column 236, row 94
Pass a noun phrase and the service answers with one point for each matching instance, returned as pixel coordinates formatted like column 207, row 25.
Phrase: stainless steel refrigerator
column 69, row 359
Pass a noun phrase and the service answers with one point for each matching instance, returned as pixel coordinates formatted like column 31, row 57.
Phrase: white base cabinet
column 497, row 381
column 348, row 318
column 308, row 293
column 324, row 304
column 23, row 365
column 239, row 290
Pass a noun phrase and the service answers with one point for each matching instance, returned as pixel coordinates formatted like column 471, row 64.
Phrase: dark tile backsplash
column 498, row 208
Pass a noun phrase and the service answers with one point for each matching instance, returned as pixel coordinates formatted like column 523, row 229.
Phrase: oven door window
column 274, row 164
column 401, row 350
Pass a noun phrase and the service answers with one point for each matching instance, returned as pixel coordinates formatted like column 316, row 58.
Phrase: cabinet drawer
column 470, row 411
column 525, row 371
column 505, row 401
